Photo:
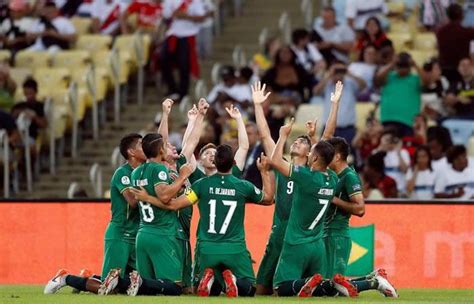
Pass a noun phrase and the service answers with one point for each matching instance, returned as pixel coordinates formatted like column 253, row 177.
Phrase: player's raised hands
column 186, row 170
column 193, row 113
column 258, row 93
column 263, row 163
column 233, row 112
column 311, row 127
column 203, row 106
column 167, row 105
column 336, row 95
column 286, row 129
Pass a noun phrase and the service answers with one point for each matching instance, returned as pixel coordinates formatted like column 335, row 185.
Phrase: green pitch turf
column 34, row 294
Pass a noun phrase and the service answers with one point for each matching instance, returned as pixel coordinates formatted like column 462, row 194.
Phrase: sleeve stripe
column 159, row 183
column 291, row 170
column 352, row 194
column 124, row 189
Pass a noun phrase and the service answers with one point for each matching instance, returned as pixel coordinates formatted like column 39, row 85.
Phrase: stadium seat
column 420, row 57
column 425, row 42
column 61, row 111
column 400, row 41
column 5, row 55
column 82, row 25
column 460, row 129
column 103, row 58
column 399, row 26
column 363, row 110
column 94, row 43
column 51, row 79
column 101, row 80
column 32, row 60
column 304, row 113
column 72, row 59
column 129, row 44
column 396, row 7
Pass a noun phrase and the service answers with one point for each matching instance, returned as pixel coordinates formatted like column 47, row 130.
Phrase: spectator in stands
column 439, row 141
column 457, row 180
column 373, row 34
column 365, row 69
column 205, row 36
column 307, row 55
column 263, row 61
column 358, row 11
column 7, row 88
column 370, row 191
column 7, row 122
column 148, row 13
column 401, row 89
column 396, row 160
column 374, row 174
column 433, row 13
column 180, row 46
column 434, row 91
column 460, row 97
column 421, row 177
column 286, row 79
column 334, row 41
column 52, row 32
column 453, row 34
column 353, row 85
column 32, row 108
column 368, row 139
column 106, row 16
column 14, row 27
column 250, row 169
column 386, row 53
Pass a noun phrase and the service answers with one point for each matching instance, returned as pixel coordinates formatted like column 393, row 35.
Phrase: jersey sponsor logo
column 257, row 191
column 141, row 182
column 357, row 187
column 125, row 180
column 325, row 191
column 296, row 168
column 163, row 176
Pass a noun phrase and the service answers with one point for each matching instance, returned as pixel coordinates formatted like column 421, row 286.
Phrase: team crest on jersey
column 163, row 176
column 125, row 180
column 356, row 187
column 257, row 191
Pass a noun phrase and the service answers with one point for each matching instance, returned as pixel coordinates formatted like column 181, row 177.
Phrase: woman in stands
column 421, row 177
column 372, row 34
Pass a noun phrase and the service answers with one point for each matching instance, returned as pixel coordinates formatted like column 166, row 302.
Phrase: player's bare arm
column 241, row 154
column 356, row 206
column 268, row 180
column 143, row 196
column 311, row 130
column 166, row 192
column 277, row 160
column 259, row 97
column 190, row 143
column 330, row 128
column 130, row 198
column 163, row 128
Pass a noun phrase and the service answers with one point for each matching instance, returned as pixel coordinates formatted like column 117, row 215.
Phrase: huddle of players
column 148, row 251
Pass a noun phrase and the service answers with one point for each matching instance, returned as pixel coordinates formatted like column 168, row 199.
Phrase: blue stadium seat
column 460, row 129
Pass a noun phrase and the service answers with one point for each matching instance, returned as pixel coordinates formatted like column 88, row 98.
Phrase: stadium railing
column 95, row 176
column 23, row 123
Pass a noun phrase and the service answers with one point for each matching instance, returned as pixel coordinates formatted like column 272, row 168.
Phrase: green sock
column 365, row 285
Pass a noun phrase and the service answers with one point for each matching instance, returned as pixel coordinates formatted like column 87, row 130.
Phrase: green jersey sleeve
column 160, row 175
column 236, row 171
column 180, row 162
column 121, row 181
column 252, row 193
column 300, row 174
column 353, row 185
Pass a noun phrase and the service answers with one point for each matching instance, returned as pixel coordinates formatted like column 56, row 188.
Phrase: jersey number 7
column 320, row 214
column 228, row 217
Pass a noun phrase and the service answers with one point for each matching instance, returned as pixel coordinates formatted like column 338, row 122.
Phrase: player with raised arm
column 119, row 245
column 223, row 254
column 284, row 189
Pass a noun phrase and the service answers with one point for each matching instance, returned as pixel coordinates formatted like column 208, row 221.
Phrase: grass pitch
column 34, row 294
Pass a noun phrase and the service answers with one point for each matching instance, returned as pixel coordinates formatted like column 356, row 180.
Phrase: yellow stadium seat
column 421, row 57
column 400, row 41
column 425, row 42
column 101, row 81
column 20, row 75
column 363, row 109
column 82, row 25
column 32, row 60
column 396, row 7
column 5, row 55
column 471, row 146
column 128, row 44
column 94, row 43
column 102, row 59
column 400, row 26
column 61, row 111
column 72, row 59
column 51, row 79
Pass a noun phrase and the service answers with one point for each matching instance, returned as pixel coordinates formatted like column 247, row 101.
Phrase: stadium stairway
column 243, row 30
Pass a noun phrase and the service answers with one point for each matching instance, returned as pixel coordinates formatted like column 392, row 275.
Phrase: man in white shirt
column 52, row 32
column 307, row 55
column 106, row 16
column 180, row 46
column 456, row 181
column 358, row 11
column 334, row 41
column 13, row 29
column 439, row 141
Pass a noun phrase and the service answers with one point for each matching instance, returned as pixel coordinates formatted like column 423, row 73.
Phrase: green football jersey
column 153, row 219
column 185, row 214
column 221, row 206
column 284, row 189
column 313, row 194
column 125, row 220
column 337, row 220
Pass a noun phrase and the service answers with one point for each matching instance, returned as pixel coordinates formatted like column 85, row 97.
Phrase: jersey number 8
column 148, row 215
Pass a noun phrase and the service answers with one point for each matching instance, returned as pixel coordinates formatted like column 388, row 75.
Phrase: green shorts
column 240, row 263
column 300, row 261
column 119, row 254
column 159, row 257
column 187, row 262
column 338, row 250
column 267, row 268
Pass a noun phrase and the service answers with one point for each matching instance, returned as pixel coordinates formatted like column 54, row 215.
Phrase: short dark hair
column 30, row 83
column 329, row 8
column 246, row 73
column 152, row 143
column 340, row 146
column 207, row 147
column 426, row 149
column 324, row 150
column 454, row 12
column 127, row 142
column 376, row 161
column 298, row 35
column 454, row 152
column 391, row 131
column 306, row 139
column 224, row 159
column 441, row 135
